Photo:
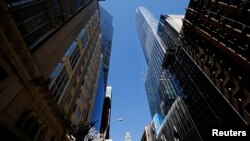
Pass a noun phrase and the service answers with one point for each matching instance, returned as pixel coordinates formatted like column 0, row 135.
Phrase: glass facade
column 168, row 30
column 107, row 34
column 59, row 79
column 73, row 53
column 157, row 122
column 83, row 37
column 100, row 106
column 160, row 87
column 146, row 27
column 99, row 101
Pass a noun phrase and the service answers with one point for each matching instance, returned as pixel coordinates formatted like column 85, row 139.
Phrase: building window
column 25, row 12
column 32, row 21
column 17, row 2
column 30, row 125
column 60, row 77
column 55, row 72
column 84, row 37
column 39, row 32
column 73, row 53
column 74, row 58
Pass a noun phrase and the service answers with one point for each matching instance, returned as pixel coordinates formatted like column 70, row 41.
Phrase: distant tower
column 127, row 137
column 106, row 113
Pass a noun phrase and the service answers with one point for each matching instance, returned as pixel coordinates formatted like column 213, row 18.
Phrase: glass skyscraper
column 106, row 28
column 107, row 34
column 168, row 30
column 160, row 88
column 153, row 51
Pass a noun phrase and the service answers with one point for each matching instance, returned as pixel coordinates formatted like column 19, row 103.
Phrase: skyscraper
column 99, row 102
column 148, row 134
column 50, row 82
column 107, row 34
column 219, row 50
column 160, row 88
column 127, row 137
column 154, row 52
column 106, row 114
column 168, row 30
column 211, row 68
column 106, row 28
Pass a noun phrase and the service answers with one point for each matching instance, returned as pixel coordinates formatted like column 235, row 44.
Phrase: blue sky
column 128, row 66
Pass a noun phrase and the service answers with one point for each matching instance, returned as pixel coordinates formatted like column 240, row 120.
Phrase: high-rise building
column 168, row 30
column 219, row 48
column 160, row 87
column 107, row 34
column 99, row 101
column 211, row 69
column 127, row 137
column 106, row 28
column 148, row 134
column 50, row 67
column 153, row 51
column 106, row 113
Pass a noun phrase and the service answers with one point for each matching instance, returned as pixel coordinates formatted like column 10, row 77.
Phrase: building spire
column 127, row 137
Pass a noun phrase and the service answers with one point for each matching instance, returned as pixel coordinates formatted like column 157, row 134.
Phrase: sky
column 128, row 67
